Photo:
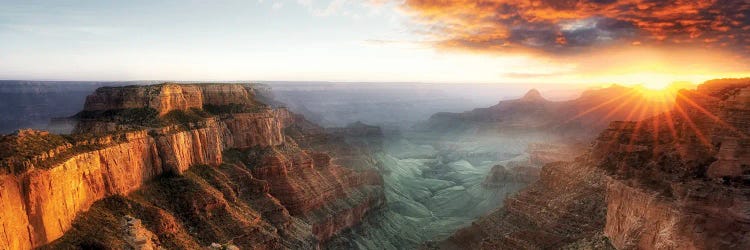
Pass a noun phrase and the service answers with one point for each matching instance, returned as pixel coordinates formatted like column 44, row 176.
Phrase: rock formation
column 195, row 164
column 678, row 180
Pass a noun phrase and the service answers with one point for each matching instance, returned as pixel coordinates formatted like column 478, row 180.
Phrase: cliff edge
column 193, row 164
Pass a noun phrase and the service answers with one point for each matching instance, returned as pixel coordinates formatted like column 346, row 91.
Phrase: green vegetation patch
column 28, row 143
column 145, row 117
column 234, row 108
column 174, row 117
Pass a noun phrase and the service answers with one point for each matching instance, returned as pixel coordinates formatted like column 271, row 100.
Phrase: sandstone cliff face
column 41, row 196
column 168, row 97
column 52, row 197
column 181, row 149
column 258, row 129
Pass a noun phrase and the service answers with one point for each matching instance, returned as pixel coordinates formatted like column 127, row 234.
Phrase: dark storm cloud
column 571, row 26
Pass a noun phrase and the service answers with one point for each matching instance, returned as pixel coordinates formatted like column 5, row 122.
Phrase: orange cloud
column 574, row 26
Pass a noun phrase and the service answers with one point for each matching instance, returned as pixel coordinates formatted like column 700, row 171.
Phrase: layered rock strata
column 47, row 190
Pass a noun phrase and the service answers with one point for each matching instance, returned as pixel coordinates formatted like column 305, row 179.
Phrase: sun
column 659, row 90
column 656, row 86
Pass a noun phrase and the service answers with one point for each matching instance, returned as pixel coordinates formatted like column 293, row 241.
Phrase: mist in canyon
column 437, row 179
column 287, row 165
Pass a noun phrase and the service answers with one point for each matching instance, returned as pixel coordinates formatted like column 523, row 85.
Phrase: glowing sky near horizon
column 457, row 41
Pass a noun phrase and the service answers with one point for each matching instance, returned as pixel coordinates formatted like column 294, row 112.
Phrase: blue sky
column 296, row 40
column 268, row 39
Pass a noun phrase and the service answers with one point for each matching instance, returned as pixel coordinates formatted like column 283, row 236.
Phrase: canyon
column 677, row 180
column 195, row 165
column 226, row 166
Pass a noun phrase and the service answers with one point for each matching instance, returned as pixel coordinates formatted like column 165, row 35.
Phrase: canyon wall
column 51, row 197
column 44, row 191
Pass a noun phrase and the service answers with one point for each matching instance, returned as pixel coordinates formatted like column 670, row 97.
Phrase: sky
column 557, row 42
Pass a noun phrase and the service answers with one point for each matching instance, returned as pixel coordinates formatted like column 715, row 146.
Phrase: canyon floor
column 435, row 186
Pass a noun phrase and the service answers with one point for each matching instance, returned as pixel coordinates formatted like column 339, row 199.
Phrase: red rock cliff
column 44, row 190
column 168, row 97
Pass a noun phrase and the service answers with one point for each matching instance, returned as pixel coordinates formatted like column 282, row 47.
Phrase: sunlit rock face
column 196, row 165
column 168, row 97
column 673, row 181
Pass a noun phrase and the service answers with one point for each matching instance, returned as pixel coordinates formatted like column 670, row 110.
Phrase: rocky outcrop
column 257, row 129
column 168, row 97
column 137, row 236
column 180, row 149
column 49, row 188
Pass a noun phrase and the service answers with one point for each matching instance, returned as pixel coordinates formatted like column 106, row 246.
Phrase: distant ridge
column 532, row 96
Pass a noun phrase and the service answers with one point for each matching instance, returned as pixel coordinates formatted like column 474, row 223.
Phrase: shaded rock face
column 497, row 177
column 566, row 204
column 180, row 175
column 678, row 180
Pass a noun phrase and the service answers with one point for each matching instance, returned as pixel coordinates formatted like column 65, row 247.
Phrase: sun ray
column 655, row 109
column 692, row 125
column 642, row 108
column 619, row 130
column 612, row 112
column 711, row 115
column 668, row 115
column 601, row 105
